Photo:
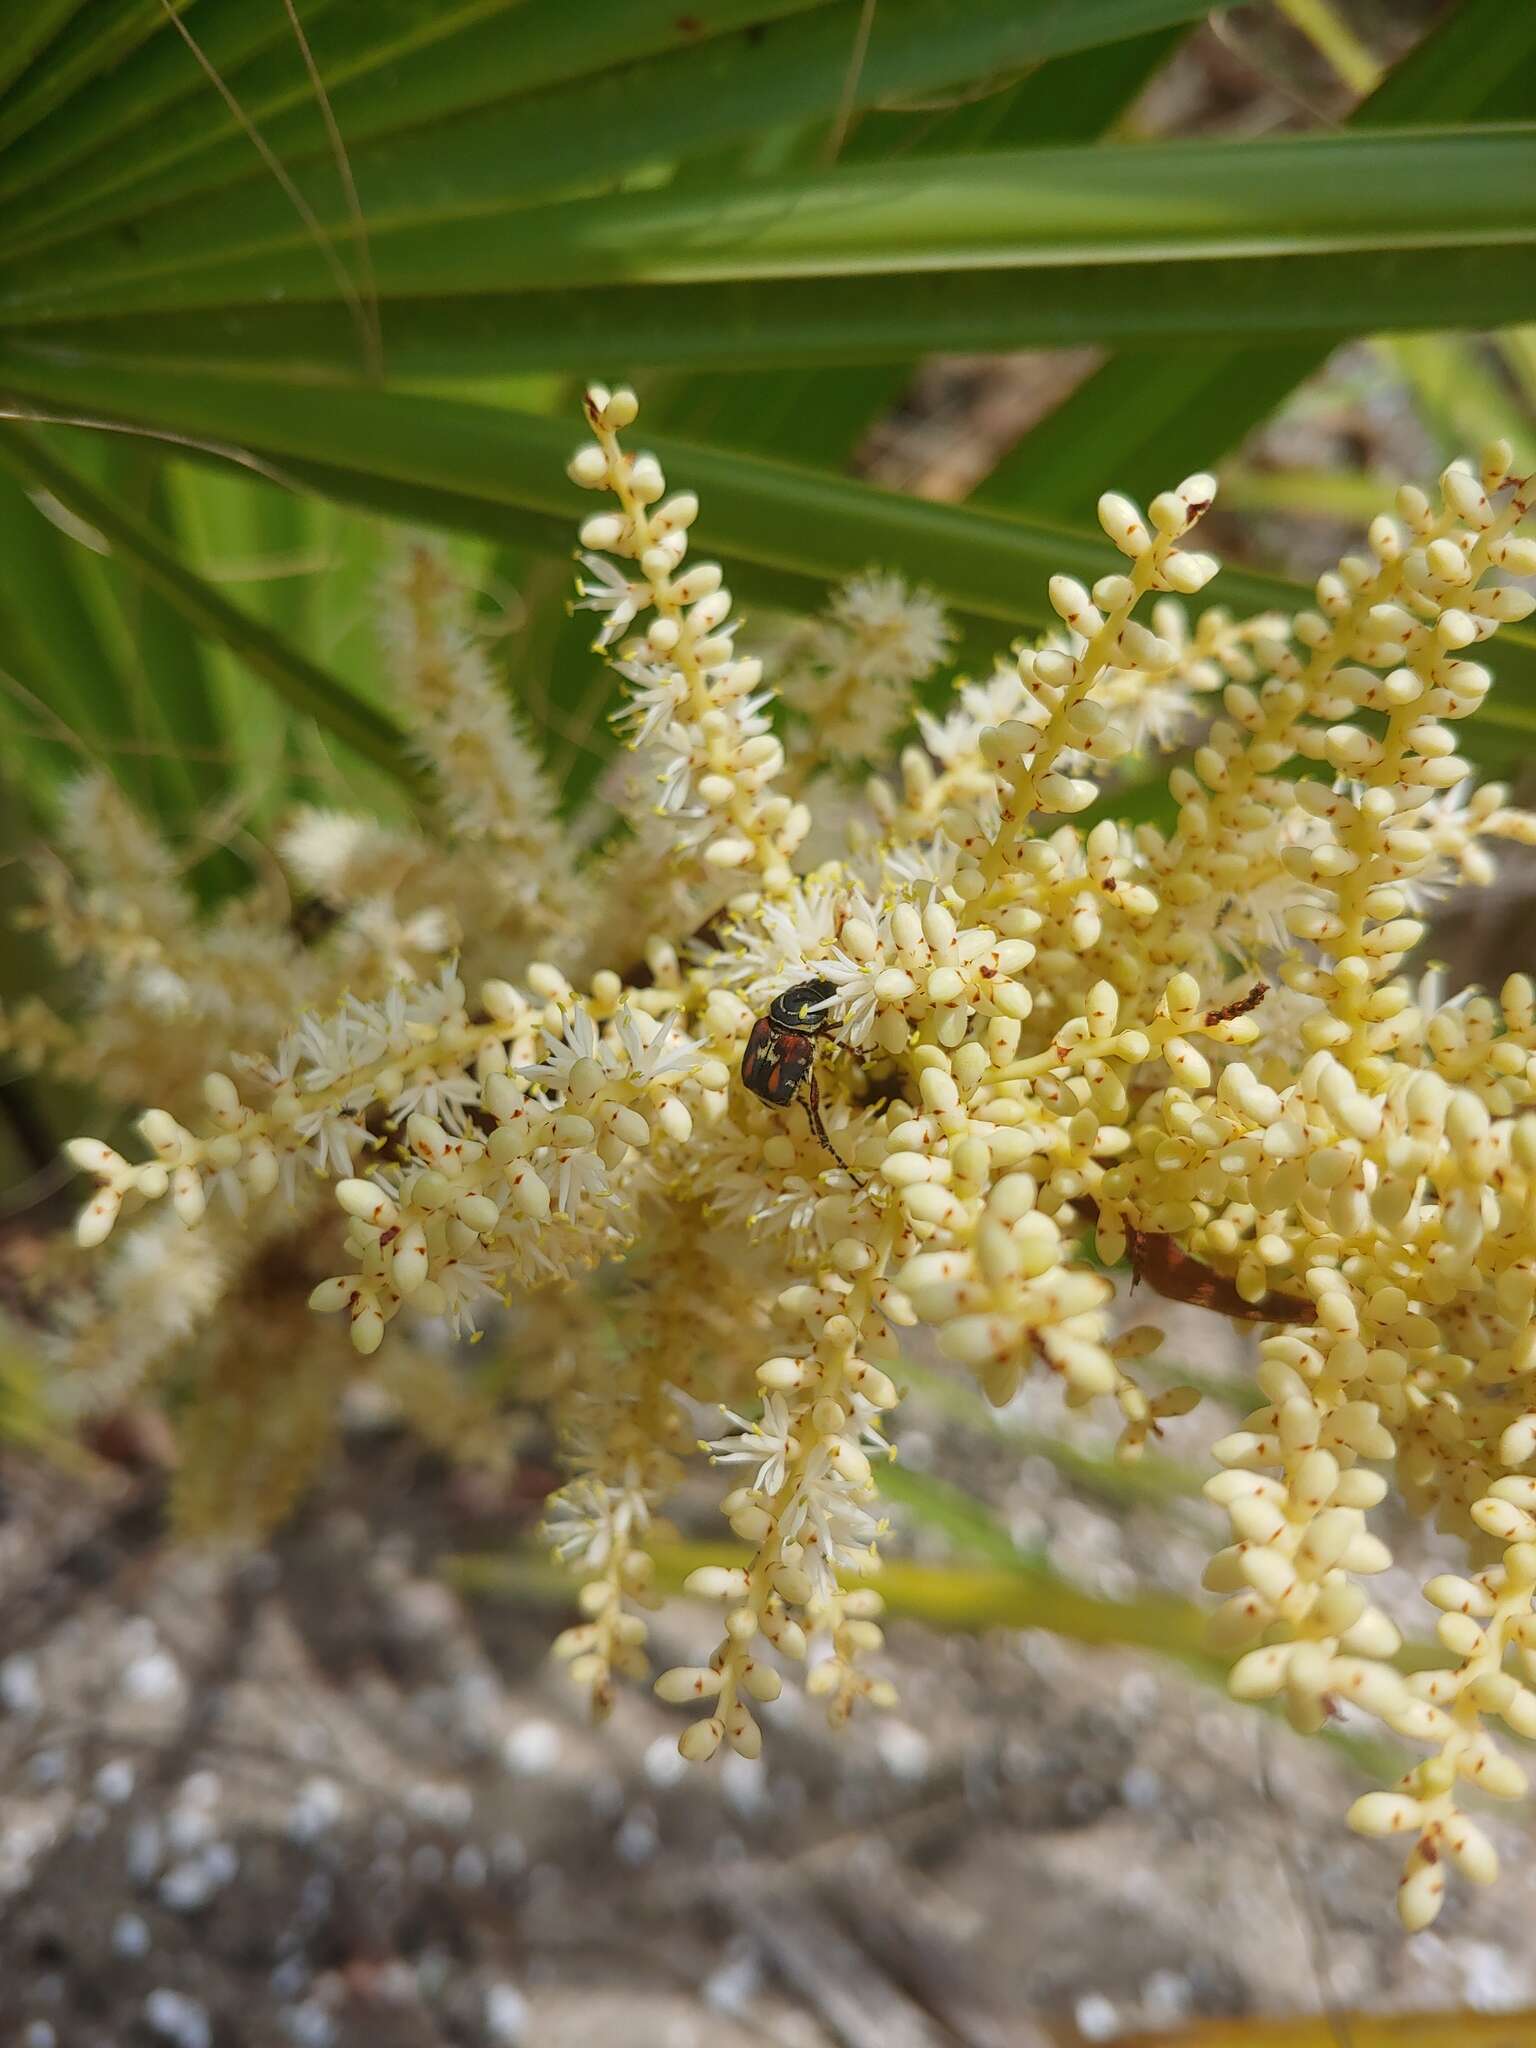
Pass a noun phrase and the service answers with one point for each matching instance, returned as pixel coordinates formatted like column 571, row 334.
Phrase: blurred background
column 285, row 283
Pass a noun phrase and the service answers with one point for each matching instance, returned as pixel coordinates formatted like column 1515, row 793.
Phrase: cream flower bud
column 367, row 1201
column 620, row 410
column 1071, row 603
column 699, row 1743
column 602, row 530
column 1123, row 523
column 676, row 515
column 646, row 481
column 367, row 1330
column 164, row 1133
column 716, row 1582
column 409, row 1262
column 94, row 1224
column 92, row 1156
column 687, row 1682
column 529, row 1194
column 189, row 1198
column 1385, row 1813
column 221, row 1096
column 1474, row 1855
column 728, row 852
column 589, row 468
column 1187, row 571
column 1507, row 1524
column 477, row 1213
column 1055, row 668
column 1465, row 495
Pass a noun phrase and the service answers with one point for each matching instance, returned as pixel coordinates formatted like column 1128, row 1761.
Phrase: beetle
column 780, row 1059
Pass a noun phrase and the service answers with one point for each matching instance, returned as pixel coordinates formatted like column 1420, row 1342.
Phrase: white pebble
column 744, row 1782
column 309, row 2025
column 663, row 1763
column 188, row 1828
column 115, row 1781
column 130, row 1936
column 506, row 2015
column 187, row 1887
column 153, row 1678
column 637, row 1840
column 1167, row 1998
column 316, row 1810
column 1141, row 1789
column 531, row 1749
column 444, row 1806
column 90, row 1820
column 144, row 1850
column 21, row 1690
column 732, row 1987
column 1096, row 2017
column 903, row 1749
column 178, row 2019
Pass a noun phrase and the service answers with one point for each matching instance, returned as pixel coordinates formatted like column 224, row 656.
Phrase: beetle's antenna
column 813, row 1111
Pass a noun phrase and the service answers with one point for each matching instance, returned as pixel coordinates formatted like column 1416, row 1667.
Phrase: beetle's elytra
column 780, row 1058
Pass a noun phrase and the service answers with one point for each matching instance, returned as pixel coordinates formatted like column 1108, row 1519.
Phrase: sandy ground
column 312, row 1797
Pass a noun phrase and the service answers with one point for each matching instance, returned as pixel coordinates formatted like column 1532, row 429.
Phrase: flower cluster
column 849, row 676
column 1045, row 1044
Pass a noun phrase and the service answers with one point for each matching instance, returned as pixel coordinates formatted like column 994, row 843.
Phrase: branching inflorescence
column 1197, row 1045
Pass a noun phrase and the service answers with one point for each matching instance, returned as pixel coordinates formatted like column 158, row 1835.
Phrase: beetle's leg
column 813, row 1112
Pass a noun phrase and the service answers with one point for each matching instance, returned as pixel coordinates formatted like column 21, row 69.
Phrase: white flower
column 859, row 1001
column 951, row 738
column 467, row 1282
column 652, row 703
column 1149, row 711
column 787, row 936
column 445, row 1095
column 321, row 846
column 634, row 1048
column 901, row 635
column 1251, row 926
column 769, row 1441
column 335, row 1139
column 1430, row 996
column 427, row 1007
column 162, row 991
column 578, row 1041
column 921, row 866
column 655, row 1052
column 613, row 593
column 829, row 1518
column 579, row 1175
column 737, row 1198
column 321, row 1053
column 1457, row 822
column 585, row 1520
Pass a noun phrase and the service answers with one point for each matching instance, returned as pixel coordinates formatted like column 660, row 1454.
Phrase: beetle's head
column 803, row 1007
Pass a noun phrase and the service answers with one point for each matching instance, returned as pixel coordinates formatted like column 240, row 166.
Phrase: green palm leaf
column 300, row 681
column 1044, row 247
column 1149, row 411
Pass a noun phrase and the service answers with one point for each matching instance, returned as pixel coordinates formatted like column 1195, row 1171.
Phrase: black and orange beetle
column 780, row 1058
